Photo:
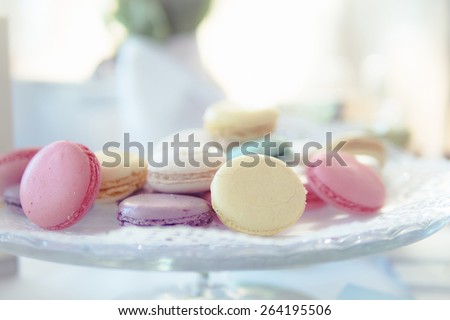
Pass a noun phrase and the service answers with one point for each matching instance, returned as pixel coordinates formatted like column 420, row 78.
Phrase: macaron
column 164, row 210
column 353, row 187
column 12, row 166
column 278, row 148
column 11, row 197
column 313, row 201
column 258, row 195
column 122, row 175
column 60, row 185
column 230, row 121
column 183, row 171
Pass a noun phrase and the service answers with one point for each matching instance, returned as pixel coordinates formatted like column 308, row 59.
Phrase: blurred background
column 89, row 70
column 377, row 64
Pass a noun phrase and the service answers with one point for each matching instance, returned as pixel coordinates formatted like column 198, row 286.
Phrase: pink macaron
column 12, row 166
column 60, row 185
column 313, row 201
column 353, row 187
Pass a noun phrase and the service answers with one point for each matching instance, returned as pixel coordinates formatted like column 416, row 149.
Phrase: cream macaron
column 258, row 195
column 230, row 121
column 122, row 175
column 184, row 170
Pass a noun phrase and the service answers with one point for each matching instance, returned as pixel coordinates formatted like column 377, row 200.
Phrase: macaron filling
column 123, row 187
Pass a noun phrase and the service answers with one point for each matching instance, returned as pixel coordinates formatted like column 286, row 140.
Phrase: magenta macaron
column 161, row 209
column 353, row 187
column 60, row 185
column 313, row 201
column 12, row 166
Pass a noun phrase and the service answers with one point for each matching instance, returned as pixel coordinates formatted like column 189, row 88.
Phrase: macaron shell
column 259, row 200
column 13, row 165
column 192, row 178
column 313, row 201
column 354, row 188
column 122, row 174
column 244, row 133
column 230, row 121
column 111, row 191
column 112, row 171
column 227, row 113
column 164, row 209
column 60, row 185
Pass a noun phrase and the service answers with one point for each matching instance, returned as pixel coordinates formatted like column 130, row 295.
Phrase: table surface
column 425, row 266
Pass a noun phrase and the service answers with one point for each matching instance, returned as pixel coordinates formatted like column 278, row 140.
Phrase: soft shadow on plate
column 326, row 216
column 102, row 218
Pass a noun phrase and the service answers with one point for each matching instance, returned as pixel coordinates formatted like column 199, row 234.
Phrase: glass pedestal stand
column 418, row 205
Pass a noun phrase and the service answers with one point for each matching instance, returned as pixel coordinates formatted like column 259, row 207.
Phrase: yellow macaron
column 230, row 121
column 258, row 195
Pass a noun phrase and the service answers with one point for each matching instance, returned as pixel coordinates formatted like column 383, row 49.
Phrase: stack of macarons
column 262, row 199
column 57, row 185
column 173, row 195
column 190, row 183
column 257, row 194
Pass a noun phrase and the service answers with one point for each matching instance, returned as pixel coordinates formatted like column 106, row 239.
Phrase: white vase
column 159, row 93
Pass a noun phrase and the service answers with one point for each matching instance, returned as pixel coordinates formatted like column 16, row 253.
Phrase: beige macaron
column 257, row 195
column 121, row 175
column 230, row 121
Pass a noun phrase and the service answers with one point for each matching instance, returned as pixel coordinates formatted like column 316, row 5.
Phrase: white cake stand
column 418, row 205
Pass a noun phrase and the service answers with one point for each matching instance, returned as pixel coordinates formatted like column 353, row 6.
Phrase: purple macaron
column 160, row 209
column 11, row 197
